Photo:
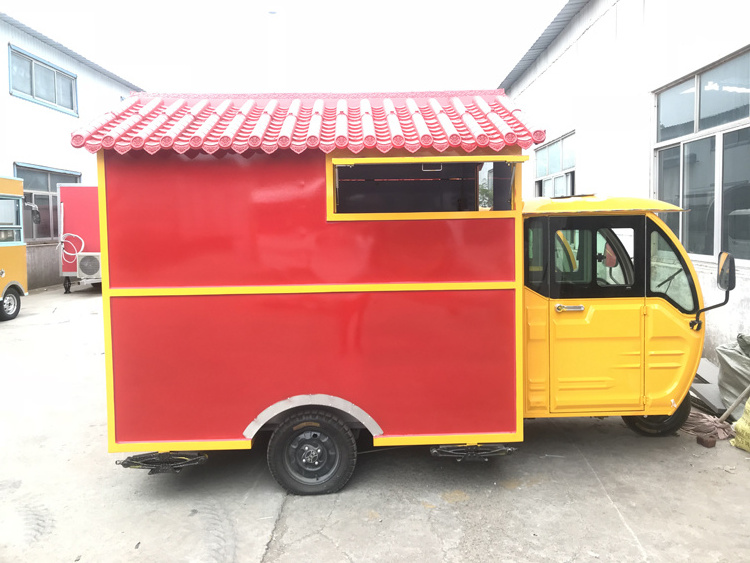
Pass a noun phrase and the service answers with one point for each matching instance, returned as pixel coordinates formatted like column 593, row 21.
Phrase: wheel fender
column 15, row 285
column 312, row 400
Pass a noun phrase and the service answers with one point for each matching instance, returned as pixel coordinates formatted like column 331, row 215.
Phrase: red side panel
column 79, row 214
column 177, row 221
column 202, row 368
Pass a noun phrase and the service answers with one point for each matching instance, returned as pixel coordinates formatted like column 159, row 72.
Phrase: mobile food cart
column 13, row 277
column 80, row 258
column 324, row 265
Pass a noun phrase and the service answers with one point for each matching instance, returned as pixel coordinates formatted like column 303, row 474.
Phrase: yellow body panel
column 13, row 254
column 536, row 355
column 13, row 266
column 596, row 355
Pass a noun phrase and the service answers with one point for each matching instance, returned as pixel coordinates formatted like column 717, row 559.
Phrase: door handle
column 563, row 308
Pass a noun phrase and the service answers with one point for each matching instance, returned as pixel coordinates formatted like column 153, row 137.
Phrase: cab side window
column 597, row 257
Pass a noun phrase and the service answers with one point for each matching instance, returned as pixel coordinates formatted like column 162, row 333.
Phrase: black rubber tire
column 312, row 453
column 655, row 426
column 11, row 304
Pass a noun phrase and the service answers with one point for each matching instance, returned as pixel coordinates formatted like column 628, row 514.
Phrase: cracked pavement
column 576, row 489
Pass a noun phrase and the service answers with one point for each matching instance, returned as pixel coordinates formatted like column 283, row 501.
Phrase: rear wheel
column 312, row 453
column 11, row 305
column 660, row 425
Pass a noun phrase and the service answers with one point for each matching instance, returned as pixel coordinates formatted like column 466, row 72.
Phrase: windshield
column 669, row 277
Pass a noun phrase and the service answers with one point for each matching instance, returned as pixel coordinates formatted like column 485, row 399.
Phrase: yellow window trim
column 332, row 162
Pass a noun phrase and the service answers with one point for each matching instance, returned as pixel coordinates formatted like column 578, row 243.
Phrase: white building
column 50, row 92
column 651, row 98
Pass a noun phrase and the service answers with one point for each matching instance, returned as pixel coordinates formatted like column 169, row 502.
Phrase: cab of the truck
column 610, row 302
column 13, row 280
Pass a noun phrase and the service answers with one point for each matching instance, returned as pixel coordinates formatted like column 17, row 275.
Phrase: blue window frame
column 37, row 80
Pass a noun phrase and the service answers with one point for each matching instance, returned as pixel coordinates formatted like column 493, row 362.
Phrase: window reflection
column 675, row 108
column 725, row 93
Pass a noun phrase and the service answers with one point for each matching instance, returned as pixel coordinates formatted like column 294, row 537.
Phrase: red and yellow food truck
column 80, row 257
column 323, row 265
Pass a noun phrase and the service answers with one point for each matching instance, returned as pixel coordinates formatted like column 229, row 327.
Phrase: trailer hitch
column 472, row 453
column 163, row 462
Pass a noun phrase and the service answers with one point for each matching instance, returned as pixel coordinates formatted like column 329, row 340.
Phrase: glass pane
column 65, row 91
column 735, row 222
column 725, row 93
column 20, row 73
column 560, row 187
column 667, row 276
column 10, row 235
column 43, row 228
column 668, row 184
column 55, row 227
column 535, row 258
column 33, row 180
column 9, row 215
column 547, row 190
column 699, row 165
column 569, row 152
column 55, row 179
column 44, row 83
column 485, row 177
column 541, row 163
column 28, row 225
column 614, row 265
column 573, row 256
column 676, row 109
column 555, row 157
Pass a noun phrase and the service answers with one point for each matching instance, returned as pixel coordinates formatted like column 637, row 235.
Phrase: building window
column 40, row 191
column 702, row 158
column 42, row 82
column 372, row 189
column 555, row 168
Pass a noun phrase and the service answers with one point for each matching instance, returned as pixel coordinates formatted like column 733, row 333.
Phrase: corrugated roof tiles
column 438, row 120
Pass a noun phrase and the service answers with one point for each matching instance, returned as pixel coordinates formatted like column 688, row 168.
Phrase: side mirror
column 36, row 218
column 725, row 277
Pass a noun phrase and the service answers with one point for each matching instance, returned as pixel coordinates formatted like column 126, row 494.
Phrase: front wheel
column 11, row 305
column 312, row 453
column 660, row 425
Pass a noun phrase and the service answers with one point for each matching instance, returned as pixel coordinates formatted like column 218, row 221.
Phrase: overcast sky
column 234, row 46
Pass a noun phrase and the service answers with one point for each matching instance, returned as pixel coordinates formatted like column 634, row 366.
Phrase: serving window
column 378, row 190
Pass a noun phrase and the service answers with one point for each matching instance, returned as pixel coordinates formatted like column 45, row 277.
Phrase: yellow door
column 673, row 347
column 596, row 313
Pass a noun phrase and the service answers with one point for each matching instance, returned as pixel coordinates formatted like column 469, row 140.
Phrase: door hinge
column 644, row 310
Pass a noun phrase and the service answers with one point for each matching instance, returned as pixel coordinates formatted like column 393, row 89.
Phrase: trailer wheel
column 11, row 305
column 660, row 425
column 312, row 453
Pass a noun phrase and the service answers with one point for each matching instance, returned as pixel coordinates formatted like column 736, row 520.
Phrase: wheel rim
column 10, row 303
column 312, row 457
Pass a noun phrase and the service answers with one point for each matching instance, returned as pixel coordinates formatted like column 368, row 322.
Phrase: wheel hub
column 312, row 456
column 9, row 304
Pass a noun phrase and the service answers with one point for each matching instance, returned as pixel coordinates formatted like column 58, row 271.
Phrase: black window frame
column 593, row 290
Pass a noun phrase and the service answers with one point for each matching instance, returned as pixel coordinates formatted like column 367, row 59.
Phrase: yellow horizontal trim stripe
column 117, row 447
column 445, row 439
column 417, row 159
column 304, row 289
column 422, row 216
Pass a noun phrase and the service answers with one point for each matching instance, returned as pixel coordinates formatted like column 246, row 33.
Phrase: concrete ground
column 576, row 490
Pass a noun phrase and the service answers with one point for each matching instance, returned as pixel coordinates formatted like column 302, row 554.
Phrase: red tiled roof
column 440, row 120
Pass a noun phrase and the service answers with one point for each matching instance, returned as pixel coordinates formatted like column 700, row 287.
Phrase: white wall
column 36, row 134
column 598, row 79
